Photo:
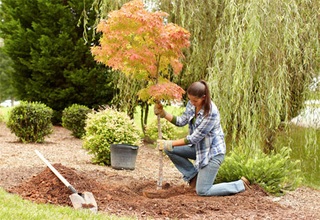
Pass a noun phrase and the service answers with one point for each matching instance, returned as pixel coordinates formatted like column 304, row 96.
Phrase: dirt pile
column 47, row 188
column 130, row 198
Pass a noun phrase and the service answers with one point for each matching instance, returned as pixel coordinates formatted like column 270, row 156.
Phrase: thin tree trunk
column 160, row 178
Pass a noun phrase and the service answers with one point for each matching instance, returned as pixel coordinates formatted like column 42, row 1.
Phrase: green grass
column 181, row 131
column 12, row 207
column 4, row 113
column 304, row 143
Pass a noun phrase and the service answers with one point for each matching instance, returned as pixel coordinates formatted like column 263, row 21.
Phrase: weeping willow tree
column 258, row 57
column 263, row 64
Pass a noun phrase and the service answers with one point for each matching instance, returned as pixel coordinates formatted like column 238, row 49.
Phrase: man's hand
column 164, row 145
column 158, row 110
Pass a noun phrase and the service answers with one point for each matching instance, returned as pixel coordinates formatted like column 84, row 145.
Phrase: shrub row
column 31, row 122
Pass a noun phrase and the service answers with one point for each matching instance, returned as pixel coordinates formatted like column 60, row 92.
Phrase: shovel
column 79, row 200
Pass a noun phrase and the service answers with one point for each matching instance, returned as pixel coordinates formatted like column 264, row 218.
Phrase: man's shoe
column 193, row 182
column 246, row 183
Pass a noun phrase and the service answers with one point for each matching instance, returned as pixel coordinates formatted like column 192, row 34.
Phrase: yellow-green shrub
column 106, row 127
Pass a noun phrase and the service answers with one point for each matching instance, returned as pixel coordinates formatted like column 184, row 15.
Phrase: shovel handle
column 65, row 182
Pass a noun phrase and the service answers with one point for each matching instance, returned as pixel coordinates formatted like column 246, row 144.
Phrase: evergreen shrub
column 74, row 119
column 274, row 172
column 105, row 127
column 30, row 121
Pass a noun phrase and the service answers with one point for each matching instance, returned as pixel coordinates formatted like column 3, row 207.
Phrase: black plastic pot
column 123, row 156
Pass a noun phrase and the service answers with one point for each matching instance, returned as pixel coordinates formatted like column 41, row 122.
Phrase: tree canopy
column 144, row 47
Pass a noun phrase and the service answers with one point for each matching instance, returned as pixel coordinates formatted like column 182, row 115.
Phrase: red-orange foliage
column 162, row 91
column 139, row 44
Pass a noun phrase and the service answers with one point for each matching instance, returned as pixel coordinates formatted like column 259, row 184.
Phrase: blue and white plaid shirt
column 205, row 133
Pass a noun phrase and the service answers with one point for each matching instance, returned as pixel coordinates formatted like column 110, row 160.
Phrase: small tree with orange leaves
column 139, row 44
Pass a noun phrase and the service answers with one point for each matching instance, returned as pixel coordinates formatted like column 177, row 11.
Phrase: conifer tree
column 52, row 63
column 6, row 70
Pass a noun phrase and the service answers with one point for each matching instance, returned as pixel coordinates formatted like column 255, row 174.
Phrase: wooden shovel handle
column 65, row 182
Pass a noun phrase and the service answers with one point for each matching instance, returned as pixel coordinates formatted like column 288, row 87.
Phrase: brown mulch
column 127, row 192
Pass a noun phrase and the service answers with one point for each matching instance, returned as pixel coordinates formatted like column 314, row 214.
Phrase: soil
column 133, row 192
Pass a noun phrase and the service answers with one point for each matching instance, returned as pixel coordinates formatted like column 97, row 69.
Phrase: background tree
column 125, row 97
column 52, row 63
column 6, row 88
column 258, row 57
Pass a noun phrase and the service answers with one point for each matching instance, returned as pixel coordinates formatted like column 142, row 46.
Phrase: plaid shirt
column 205, row 133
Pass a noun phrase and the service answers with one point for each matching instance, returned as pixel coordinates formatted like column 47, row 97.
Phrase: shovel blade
column 84, row 201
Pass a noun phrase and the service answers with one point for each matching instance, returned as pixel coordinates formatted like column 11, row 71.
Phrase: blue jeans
column 181, row 156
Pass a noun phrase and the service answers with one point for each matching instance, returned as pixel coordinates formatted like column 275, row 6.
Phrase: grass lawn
column 13, row 207
column 304, row 143
column 181, row 131
column 4, row 113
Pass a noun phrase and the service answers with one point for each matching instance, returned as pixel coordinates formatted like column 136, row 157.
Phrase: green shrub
column 168, row 130
column 106, row 127
column 74, row 119
column 275, row 172
column 30, row 121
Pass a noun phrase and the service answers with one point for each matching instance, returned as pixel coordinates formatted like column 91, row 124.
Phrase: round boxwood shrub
column 106, row 127
column 74, row 119
column 30, row 121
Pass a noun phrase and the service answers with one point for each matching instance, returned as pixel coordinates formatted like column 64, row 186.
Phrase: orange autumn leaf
column 162, row 91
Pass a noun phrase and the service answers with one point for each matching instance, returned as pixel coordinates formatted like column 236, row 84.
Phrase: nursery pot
column 123, row 156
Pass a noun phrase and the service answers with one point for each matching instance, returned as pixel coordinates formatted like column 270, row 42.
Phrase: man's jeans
column 180, row 156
